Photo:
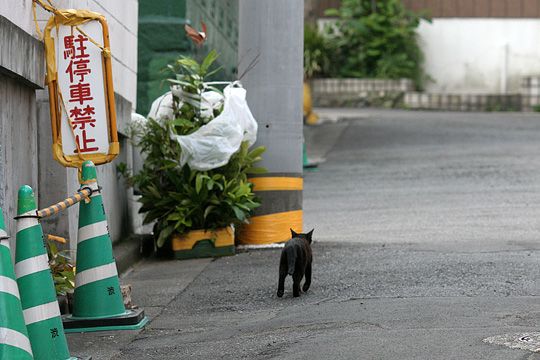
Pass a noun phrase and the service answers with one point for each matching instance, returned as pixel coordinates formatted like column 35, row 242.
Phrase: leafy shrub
column 178, row 198
column 317, row 53
column 376, row 39
column 62, row 269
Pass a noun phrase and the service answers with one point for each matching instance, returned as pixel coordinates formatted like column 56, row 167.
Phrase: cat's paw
column 280, row 293
column 305, row 288
column 296, row 294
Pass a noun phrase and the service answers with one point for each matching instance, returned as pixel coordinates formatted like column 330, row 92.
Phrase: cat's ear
column 293, row 234
column 309, row 235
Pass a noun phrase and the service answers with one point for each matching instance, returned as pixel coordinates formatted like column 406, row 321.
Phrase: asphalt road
column 429, row 177
column 427, row 243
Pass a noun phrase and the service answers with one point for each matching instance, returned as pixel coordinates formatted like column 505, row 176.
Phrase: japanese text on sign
column 80, row 79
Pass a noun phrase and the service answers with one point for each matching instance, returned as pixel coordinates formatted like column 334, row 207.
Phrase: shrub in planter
column 181, row 199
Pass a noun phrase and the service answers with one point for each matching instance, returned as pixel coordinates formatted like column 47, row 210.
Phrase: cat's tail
column 291, row 259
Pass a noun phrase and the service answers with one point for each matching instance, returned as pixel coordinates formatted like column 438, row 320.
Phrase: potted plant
column 194, row 211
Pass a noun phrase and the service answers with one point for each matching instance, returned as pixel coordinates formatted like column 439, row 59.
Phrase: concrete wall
column 57, row 182
column 123, row 25
column 18, row 139
column 480, row 55
column 19, row 13
column 24, row 113
column 18, row 120
column 122, row 20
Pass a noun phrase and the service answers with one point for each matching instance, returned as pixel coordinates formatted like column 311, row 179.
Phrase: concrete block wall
column 463, row 102
column 321, row 86
column 399, row 93
column 359, row 92
column 530, row 91
column 528, row 99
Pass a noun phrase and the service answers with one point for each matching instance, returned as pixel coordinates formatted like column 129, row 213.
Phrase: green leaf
column 243, row 207
column 198, row 183
column 164, row 235
column 154, row 191
column 183, row 122
column 213, row 88
column 183, row 83
column 258, row 151
column 256, row 170
column 175, row 217
column 208, row 61
column 239, row 213
column 215, row 71
column 331, row 12
column 151, row 216
column 188, row 63
column 208, row 210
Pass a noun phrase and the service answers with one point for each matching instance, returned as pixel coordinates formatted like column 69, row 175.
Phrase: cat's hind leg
column 282, row 275
column 296, row 283
column 307, row 283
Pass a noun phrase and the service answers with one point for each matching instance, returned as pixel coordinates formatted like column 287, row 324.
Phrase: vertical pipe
column 273, row 31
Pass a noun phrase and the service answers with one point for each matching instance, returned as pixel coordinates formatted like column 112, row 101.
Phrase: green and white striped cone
column 98, row 303
column 38, row 296
column 14, row 342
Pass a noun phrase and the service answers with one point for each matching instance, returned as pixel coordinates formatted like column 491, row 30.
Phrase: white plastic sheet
column 162, row 107
column 213, row 144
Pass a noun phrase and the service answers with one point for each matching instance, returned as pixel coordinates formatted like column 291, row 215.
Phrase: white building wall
column 480, row 55
column 122, row 20
column 18, row 12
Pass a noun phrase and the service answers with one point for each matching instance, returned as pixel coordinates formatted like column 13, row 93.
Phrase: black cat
column 296, row 258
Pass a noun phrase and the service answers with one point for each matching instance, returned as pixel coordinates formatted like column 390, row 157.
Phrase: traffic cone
column 14, row 342
column 307, row 164
column 38, row 296
column 98, row 304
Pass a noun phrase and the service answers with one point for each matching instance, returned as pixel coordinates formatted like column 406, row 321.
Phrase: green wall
column 162, row 39
column 221, row 18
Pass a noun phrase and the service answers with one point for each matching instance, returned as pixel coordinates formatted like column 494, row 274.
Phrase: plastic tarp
column 213, row 144
column 163, row 106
